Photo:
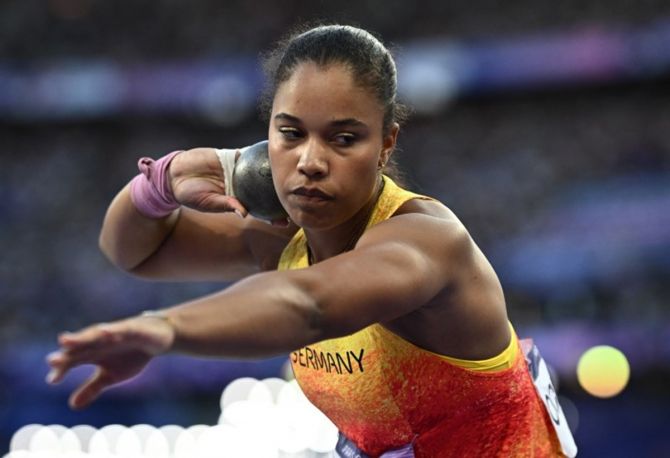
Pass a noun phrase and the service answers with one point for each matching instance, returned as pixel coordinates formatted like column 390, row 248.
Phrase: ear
column 388, row 144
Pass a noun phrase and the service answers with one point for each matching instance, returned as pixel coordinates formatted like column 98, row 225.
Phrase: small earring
column 382, row 162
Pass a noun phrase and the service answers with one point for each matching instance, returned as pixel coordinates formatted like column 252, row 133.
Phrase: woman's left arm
column 396, row 267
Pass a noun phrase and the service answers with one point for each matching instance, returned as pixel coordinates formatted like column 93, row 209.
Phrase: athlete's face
column 326, row 145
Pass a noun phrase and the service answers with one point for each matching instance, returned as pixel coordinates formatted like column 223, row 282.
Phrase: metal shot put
column 253, row 185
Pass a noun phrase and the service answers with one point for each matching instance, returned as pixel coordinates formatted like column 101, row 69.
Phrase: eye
column 290, row 133
column 344, row 139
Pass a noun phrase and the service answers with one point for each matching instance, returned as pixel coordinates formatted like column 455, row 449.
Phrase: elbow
column 312, row 317
column 106, row 249
column 308, row 310
column 114, row 256
column 324, row 326
column 318, row 309
column 329, row 325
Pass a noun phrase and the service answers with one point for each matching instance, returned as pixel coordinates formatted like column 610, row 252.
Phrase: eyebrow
column 352, row 122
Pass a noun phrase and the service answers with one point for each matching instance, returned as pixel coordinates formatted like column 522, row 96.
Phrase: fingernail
column 51, row 376
column 52, row 356
column 65, row 335
column 239, row 213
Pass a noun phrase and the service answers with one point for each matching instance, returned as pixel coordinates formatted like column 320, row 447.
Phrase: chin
column 311, row 220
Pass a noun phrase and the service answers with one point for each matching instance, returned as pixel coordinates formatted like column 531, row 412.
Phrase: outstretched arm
column 397, row 266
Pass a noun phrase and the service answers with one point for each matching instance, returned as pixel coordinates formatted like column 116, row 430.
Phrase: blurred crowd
column 149, row 29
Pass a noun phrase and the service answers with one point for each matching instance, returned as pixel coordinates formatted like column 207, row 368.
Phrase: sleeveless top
column 383, row 392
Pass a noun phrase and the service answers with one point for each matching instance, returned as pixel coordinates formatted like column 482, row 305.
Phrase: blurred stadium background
column 544, row 125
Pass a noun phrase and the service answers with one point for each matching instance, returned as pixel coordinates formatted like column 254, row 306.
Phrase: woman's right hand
column 119, row 350
column 197, row 181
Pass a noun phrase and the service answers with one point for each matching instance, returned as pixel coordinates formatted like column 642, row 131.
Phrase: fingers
column 83, row 344
column 215, row 202
column 96, row 335
column 61, row 362
column 120, row 350
column 79, row 348
column 58, row 370
column 237, row 206
column 90, row 390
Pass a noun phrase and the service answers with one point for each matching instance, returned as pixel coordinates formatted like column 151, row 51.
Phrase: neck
column 322, row 245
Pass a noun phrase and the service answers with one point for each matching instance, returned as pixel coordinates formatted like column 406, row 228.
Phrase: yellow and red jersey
column 383, row 392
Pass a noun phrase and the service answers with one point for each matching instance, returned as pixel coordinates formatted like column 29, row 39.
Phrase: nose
column 313, row 160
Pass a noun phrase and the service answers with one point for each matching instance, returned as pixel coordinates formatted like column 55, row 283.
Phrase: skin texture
column 325, row 134
column 418, row 273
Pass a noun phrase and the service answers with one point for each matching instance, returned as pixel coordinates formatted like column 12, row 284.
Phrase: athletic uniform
column 385, row 394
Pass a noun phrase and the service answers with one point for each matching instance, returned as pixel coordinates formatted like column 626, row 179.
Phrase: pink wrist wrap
column 150, row 190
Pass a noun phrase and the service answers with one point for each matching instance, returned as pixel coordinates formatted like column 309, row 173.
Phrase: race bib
column 545, row 388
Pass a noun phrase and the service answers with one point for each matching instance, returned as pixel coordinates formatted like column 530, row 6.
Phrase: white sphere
column 217, row 442
column 58, row 429
column 237, row 390
column 196, row 430
column 44, row 454
column 245, row 414
column 101, row 455
column 171, row 433
column 70, row 442
column 104, row 440
column 19, row 454
column 324, row 439
column 157, row 445
column 127, row 444
column 260, row 392
column 21, row 438
column 275, row 385
column 251, row 443
column 290, row 393
column 292, row 442
column 84, row 434
column 143, row 432
column 185, row 445
column 75, row 454
column 44, row 440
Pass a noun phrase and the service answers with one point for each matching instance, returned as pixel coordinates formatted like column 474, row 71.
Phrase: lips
column 315, row 193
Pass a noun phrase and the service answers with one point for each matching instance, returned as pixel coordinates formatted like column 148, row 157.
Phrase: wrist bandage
column 150, row 191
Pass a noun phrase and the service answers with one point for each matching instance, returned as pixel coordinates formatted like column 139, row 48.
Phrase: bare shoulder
column 467, row 318
column 429, row 222
column 429, row 207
